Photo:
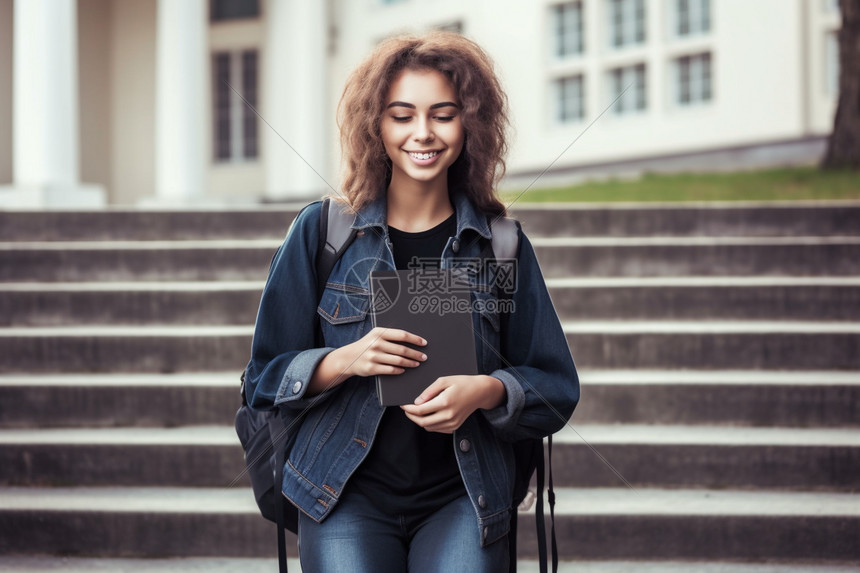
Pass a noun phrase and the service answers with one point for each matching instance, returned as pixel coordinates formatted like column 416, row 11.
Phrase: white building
column 152, row 101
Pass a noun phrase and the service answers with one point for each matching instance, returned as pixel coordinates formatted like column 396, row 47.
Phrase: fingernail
column 423, row 357
column 423, row 341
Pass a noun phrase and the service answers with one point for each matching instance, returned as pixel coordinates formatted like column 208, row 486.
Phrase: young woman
column 426, row 486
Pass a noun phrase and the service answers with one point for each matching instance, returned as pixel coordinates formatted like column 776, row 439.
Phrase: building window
column 456, row 27
column 569, row 99
column 634, row 99
column 221, row 10
column 567, row 29
column 693, row 17
column 832, row 65
column 693, row 79
column 235, row 123
column 626, row 22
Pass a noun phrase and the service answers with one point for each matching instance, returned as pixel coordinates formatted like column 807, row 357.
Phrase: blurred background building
column 150, row 101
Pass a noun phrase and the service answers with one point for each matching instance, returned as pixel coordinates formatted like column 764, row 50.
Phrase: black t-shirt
column 409, row 470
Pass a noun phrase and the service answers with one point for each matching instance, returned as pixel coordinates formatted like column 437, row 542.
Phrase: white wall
column 6, row 43
column 757, row 49
column 768, row 60
column 132, row 71
column 246, row 178
column 95, row 89
column 821, row 99
column 755, row 95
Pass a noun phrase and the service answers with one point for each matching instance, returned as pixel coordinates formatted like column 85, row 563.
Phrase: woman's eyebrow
column 434, row 106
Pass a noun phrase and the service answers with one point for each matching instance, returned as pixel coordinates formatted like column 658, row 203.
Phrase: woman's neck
column 413, row 207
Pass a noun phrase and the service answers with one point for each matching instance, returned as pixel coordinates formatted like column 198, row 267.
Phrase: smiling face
column 421, row 128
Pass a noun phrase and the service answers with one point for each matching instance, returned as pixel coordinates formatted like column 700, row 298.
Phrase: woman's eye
column 401, row 118
column 444, row 117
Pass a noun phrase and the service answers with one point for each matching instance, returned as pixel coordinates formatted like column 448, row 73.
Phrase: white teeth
column 424, row 155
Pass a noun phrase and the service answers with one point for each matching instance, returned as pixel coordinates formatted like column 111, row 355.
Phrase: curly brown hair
column 484, row 112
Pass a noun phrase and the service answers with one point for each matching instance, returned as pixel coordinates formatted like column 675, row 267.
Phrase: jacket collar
column 374, row 214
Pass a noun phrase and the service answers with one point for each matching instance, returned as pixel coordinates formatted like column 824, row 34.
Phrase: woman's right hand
column 382, row 351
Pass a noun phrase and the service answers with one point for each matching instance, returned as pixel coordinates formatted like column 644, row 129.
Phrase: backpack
column 266, row 438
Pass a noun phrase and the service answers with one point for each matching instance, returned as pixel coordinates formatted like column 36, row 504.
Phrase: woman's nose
column 423, row 132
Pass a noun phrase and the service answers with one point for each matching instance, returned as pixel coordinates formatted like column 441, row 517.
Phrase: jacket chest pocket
column 486, row 315
column 343, row 312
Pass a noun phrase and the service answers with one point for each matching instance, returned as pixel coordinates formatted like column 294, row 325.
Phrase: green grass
column 789, row 184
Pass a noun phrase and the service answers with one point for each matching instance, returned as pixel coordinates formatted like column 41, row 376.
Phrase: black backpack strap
column 336, row 234
column 505, row 239
column 278, row 433
column 504, row 245
column 551, row 496
column 539, row 521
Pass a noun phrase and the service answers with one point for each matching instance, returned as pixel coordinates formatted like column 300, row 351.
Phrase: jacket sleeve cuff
column 297, row 378
column 505, row 417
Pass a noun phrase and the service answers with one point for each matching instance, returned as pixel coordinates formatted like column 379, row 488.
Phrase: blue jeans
column 357, row 537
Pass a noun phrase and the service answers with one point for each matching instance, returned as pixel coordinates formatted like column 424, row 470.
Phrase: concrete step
column 47, row 564
column 195, row 456
column 117, row 224
column 583, row 456
column 118, row 400
column 140, row 349
column 669, row 524
column 192, row 260
column 707, row 456
column 705, row 219
column 180, row 303
column 135, row 522
column 656, row 298
column 779, row 398
column 704, row 298
column 239, row 260
column 753, row 345
column 697, row 256
column 606, row 344
column 538, row 219
column 665, row 525
column 674, row 397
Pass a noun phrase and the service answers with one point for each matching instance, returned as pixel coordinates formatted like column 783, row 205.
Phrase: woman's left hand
column 446, row 403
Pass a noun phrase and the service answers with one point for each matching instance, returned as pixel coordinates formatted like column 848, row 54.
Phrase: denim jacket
column 339, row 425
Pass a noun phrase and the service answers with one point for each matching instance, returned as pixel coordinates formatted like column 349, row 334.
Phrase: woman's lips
column 418, row 158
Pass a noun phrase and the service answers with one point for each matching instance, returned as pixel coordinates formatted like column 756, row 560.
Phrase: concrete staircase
column 718, row 346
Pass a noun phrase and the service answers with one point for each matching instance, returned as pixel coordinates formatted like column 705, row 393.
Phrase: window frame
column 697, row 18
column 559, row 98
column 698, row 89
column 216, row 18
column 569, row 12
column 627, row 23
column 236, row 118
column 635, row 101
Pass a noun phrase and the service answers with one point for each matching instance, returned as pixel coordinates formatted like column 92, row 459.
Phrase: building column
column 295, row 100
column 45, row 110
column 180, row 102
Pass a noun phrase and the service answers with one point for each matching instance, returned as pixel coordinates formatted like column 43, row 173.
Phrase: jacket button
column 455, row 246
column 297, row 387
column 465, row 445
column 482, row 503
column 484, row 533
